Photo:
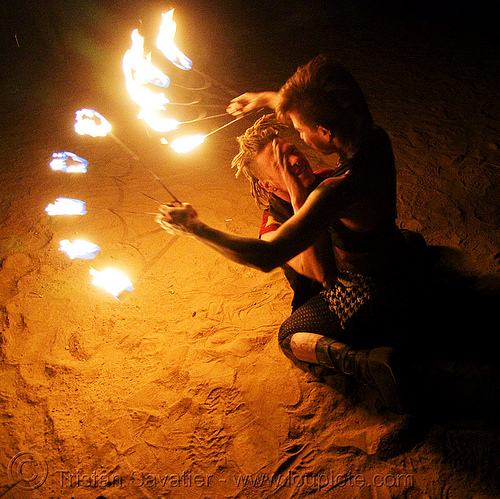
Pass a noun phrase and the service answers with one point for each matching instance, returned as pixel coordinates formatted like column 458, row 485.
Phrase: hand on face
column 178, row 219
column 295, row 171
column 291, row 162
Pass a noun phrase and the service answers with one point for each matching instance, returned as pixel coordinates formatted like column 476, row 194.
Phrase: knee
column 284, row 338
column 285, row 346
column 284, row 334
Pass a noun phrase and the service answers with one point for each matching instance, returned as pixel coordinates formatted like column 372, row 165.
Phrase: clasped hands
column 178, row 218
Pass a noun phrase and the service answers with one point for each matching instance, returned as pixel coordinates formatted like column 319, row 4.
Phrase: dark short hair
column 325, row 94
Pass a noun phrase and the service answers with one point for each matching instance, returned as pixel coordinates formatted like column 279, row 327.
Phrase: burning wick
column 90, row 122
column 156, row 122
column 186, row 144
column 112, row 281
column 68, row 162
column 165, row 42
column 79, row 249
column 139, row 71
column 80, row 118
column 66, row 206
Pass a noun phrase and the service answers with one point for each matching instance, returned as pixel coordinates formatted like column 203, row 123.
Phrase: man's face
column 318, row 137
column 268, row 171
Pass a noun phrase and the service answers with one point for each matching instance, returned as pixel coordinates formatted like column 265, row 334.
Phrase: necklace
column 340, row 161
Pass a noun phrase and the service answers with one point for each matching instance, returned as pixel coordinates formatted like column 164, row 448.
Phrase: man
column 324, row 103
column 368, row 306
column 309, row 271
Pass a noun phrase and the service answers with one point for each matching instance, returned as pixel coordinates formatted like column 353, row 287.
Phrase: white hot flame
column 66, row 206
column 90, row 122
column 68, row 162
column 139, row 72
column 141, row 76
column 186, row 144
column 165, row 42
column 79, row 249
column 156, row 122
column 112, row 281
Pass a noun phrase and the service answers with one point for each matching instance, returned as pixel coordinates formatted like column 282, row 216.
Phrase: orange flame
column 139, row 71
column 165, row 42
column 186, row 144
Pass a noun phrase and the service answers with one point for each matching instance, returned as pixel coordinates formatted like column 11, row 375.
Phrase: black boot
column 369, row 367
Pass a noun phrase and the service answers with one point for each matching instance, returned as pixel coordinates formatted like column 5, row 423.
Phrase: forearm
column 270, row 99
column 254, row 253
column 250, row 101
column 296, row 235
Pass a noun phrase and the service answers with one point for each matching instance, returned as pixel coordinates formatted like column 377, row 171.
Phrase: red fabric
column 269, row 224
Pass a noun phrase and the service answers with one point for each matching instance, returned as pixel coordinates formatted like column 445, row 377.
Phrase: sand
column 178, row 389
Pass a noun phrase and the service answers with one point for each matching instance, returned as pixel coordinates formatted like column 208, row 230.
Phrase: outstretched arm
column 293, row 237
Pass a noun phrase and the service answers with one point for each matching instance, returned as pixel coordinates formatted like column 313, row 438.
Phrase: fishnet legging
column 314, row 316
column 360, row 312
column 343, row 312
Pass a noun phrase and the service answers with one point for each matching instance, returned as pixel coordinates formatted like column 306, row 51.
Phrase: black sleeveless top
column 374, row 155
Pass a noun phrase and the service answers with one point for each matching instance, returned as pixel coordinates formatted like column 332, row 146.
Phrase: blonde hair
column 252, row 142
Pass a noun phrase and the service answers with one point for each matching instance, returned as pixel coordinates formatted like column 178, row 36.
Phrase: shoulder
column 336, row 185
column 324, row 173
column 377, row 140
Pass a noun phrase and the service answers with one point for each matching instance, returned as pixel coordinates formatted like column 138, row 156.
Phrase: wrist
column 270, row 99
column 198, row 229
